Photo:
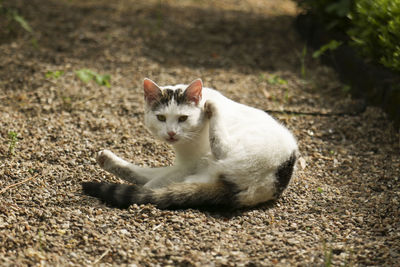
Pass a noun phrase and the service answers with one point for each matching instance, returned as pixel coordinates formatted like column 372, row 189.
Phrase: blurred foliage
column 54, row 74
column 13, row 16
column 332, row 45
column 375, row 30
column 12, row 141
column 334, row 14
column 373, row 26
column 87, row 75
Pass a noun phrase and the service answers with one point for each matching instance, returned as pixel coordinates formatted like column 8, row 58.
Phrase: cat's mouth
column 171, row 140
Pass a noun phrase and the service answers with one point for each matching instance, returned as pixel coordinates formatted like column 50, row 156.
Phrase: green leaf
column 12, row 136
column 85, row 75
column 12, row 141
column 274, row 79
column 21, row 21
column 332, row 45
column 54, row 74
column 103, row 80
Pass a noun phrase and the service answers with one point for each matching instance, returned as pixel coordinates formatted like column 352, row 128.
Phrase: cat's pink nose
column 171, row 134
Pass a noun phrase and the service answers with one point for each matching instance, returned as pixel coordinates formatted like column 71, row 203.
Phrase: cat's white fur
column 248, row 148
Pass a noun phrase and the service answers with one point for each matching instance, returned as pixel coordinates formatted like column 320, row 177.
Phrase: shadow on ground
column 196, row 37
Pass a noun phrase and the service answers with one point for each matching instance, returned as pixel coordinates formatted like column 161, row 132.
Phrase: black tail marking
column 115, row 195
column 284, row 174
column 221, row 194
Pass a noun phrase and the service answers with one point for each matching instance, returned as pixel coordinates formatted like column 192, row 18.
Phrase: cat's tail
column 221, row 194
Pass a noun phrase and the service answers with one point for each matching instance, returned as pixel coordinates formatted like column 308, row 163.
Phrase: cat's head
column 174, row 113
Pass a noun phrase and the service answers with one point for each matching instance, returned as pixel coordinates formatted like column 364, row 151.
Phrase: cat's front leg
column 218, row 136
column 120, row 168
column 150, row 177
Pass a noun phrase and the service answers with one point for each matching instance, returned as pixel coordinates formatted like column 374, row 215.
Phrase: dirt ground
column 341, row 208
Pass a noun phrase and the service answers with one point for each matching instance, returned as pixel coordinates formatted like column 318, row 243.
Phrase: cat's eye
column 161, row 118
column 182, row 118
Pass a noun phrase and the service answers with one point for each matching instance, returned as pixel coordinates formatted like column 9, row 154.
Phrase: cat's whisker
column 191, row 136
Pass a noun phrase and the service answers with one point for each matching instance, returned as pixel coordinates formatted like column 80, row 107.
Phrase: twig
column 102, row 256
column 327, row 114
column 157, row 226
column 16, row 184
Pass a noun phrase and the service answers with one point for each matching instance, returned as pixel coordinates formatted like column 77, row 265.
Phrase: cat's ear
column 193, row 91
column 152, row 92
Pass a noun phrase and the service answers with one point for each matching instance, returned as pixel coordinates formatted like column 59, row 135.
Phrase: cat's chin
column 171, row 141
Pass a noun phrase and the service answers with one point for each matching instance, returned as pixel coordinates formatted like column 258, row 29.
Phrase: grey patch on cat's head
column 168, row 96
column 156, row 96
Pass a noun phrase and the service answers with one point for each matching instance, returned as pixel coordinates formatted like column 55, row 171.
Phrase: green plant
column 375, row 31
column 54, row 74
column 66, row 102
column 328, row 254
column 13, row 15
column 303, row 62
column 373, row 26
column 275, row 79
column 346, row 88
column 332, row 45
column 12, row 142
column 286, row 95
column 21, row 21
column 262, row 77
column 87, row 75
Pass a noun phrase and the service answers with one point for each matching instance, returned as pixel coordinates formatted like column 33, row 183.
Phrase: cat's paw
column 105, row 158
column 209, row 109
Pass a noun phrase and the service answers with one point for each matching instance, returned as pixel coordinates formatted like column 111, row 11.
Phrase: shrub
column 373, row 26
column 375, row 30
column 332, row 13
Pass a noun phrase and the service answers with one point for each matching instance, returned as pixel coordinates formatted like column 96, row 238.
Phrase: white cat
column 227, row 154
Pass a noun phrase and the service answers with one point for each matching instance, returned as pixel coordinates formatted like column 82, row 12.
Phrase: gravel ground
column 342, row 207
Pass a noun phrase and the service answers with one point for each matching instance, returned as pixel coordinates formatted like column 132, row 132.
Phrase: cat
column 228, row 155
